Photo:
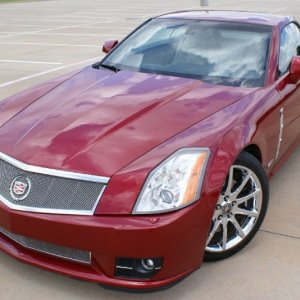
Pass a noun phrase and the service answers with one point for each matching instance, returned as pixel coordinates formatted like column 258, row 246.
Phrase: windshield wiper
column 109, row 67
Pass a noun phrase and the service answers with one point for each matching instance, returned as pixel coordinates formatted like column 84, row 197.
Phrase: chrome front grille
column 48, row 248
column 51, row 191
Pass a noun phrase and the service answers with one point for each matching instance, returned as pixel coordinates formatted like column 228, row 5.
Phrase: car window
column 289, row 47
column 224, row 53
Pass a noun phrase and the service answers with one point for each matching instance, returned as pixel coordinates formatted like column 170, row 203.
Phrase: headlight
column 175, row 183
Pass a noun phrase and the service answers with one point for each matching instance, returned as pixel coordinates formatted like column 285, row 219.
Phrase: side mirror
column 295, row 68
column 109, row 45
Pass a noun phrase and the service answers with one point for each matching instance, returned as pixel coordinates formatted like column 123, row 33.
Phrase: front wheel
column 240, row 209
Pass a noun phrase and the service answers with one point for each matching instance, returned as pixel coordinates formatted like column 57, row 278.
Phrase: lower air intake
column 48, row 248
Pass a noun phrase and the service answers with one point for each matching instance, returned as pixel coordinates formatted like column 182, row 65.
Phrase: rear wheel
column 240, row 209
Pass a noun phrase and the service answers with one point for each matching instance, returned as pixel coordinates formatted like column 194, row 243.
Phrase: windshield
column 223, row 53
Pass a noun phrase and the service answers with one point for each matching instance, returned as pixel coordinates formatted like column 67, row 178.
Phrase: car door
column 289, row 90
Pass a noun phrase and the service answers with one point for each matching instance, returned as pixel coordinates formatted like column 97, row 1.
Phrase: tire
column 240, row 210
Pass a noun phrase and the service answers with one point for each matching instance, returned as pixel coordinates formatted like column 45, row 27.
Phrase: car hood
column 98, row 121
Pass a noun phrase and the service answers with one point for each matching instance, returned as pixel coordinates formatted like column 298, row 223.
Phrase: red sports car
column 131, row 171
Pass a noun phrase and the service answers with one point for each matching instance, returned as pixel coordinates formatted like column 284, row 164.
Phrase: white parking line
column 7, row 32
column 43, row 30
column 47, row 72
column 105, row 27
column 78, row 34
column 284, row 8
column 50, row 44
column 107, row 20
column 96, row 16
column 29, row 62
column 24, row 25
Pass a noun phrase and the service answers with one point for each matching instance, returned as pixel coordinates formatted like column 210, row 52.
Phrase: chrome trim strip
column 57, row 173
column 281, row 125
column 131, row 268
column 98, row 200
column 124, row 267
column 53, row 172
column 270, row 163
column 51, row 210
column 48, row 253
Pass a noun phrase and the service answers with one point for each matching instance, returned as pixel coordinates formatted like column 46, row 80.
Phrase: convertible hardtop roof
column 233, row 16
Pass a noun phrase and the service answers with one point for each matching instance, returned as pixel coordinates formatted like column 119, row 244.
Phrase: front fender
column 225, row 144
column 226, row 133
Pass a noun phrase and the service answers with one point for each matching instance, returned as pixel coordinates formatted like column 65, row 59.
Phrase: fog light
column 138, row 267
column 148, row 264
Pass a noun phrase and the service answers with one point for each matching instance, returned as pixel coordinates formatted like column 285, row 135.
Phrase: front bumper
column 178, row 237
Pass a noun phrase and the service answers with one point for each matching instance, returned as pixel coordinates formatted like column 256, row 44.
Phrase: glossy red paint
column 295, row 69
column 109, row 45
column 16, row 103
column 114, row 124
column 89, row 119
column 111, row 236
column 232, row 16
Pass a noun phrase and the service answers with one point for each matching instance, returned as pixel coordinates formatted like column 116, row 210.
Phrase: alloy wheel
column 237, row 210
